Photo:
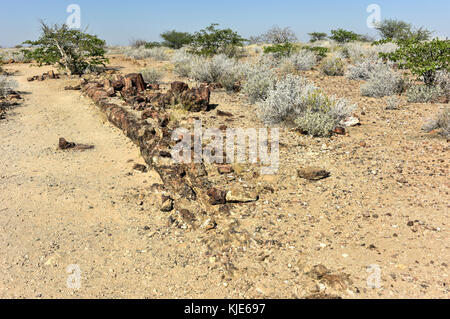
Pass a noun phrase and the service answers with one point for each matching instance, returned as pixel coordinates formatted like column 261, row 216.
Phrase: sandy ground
column 385, row 204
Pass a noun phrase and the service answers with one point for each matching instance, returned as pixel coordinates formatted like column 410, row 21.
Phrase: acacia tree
column 401, row 30
column 70, row 49
column 176, row 40
column 317, row 36
column 211, row 41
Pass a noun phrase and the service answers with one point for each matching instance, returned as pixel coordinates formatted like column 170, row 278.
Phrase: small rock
column 140, row 168
column 167, row 204
column 313, row 173
column 350, row 121
column 217, row 197
column 225, row 169
column 240, row 195
column 339, row 130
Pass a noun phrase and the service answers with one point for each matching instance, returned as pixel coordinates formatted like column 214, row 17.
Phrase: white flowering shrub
column 258, row 80
column 333, row 66
column 441, row 122
column 303, row 61
column 423, row 93
column 443, row 81
column 158, row 53
column 13, row 54
column 340, row 109
column 317, row 124
column 393, row 103
column 358, row 52
column 183, row 62
column 295, row 100
column 363, row 70
column 286, row 100
column 219, row 69
column 383, row 82
column 152, row 76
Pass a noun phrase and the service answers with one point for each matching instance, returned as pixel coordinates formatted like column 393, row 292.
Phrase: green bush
column 280, row 50
column 151, row 45
column 333, row 66
column 344, row 36
column 423, row 93
column 400, row 30
column 152, row 76
column 211, row 41
column 176, row 40
column 317, row 124
column 423, row 59
column 317, row 36
column 321, row 52
column 70, row 49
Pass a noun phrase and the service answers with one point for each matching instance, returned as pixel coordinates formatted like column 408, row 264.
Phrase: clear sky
column 118, row 21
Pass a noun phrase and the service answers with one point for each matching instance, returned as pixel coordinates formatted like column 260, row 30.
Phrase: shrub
column 287, row 100
column 332, row 66
column 424, row 59
column 296, row 101
column 151, row 45
column 211, row 41
column 220, row 69
column 317, row 36
column 176, row 40
column 423, row 93
column 183, row 62
column 14, row 54
column 400, row 30
column 277, row 35
column 440, row 122
column 137, row 43
column 393, row 103
column 280, row 50
column 383, row 82
column 259, row 79
column 364, row 70
column 317, row 124
column 341, row 109
column 303, row 61
column 443, row 81
column 320, row 52
column 158, row 53
column 70, row 49
column 152, row 76
column 343, row 36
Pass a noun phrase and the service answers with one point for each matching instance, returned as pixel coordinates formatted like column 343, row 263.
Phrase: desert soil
column 385, row 204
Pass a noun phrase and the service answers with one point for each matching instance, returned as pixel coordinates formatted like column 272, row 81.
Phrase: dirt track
column 64, row 207
column 89, row 208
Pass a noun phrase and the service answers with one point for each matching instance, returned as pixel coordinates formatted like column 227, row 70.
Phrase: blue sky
column 119, row 21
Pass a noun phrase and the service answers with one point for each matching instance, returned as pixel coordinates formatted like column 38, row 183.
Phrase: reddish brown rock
column 178, row 87
column 339, row 130
column 135, row 80
column 217, row 197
